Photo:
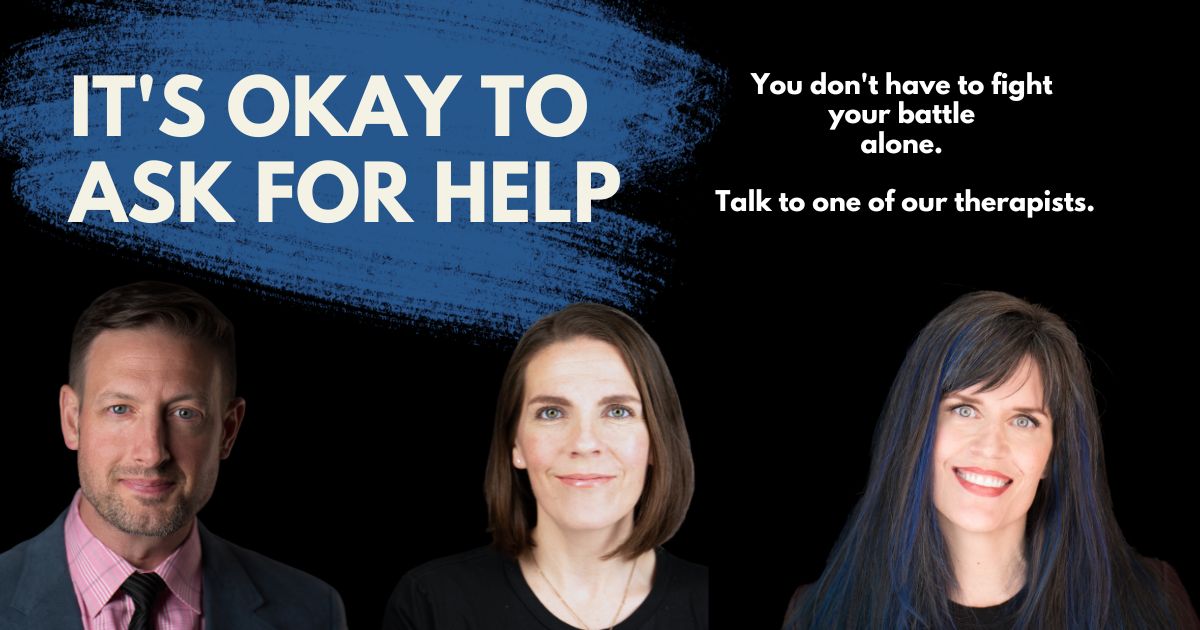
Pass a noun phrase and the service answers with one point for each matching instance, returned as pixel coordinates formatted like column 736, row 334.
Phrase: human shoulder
column 293, row 592
column 35, row 582
column 796, row 601
column 1173, row 588
column 448, row 592
column 12, row 569
column 264, row 569
column 684, row 574
column 1162, row 570
column 678, row 598
column 14, row 557
column 482, row 566
column 12, row 561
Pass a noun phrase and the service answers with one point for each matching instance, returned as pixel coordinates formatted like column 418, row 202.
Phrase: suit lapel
column 44, row 593
column 230, row 596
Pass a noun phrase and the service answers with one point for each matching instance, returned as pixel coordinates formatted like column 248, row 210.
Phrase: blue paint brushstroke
column 476, row 278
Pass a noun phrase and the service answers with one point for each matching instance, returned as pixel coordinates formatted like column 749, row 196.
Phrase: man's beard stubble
column 111, row 506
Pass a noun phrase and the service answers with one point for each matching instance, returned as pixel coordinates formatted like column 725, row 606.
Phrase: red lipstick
column 982, row 482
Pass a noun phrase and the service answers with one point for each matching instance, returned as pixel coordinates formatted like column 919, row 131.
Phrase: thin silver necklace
column 612, row 625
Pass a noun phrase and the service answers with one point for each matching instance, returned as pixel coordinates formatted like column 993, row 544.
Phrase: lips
column 585, row 480
column 148, row 487
column 982, row 482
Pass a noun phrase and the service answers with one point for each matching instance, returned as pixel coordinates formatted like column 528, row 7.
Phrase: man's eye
column 187, row 414
column 119, row 410
column 550, row 413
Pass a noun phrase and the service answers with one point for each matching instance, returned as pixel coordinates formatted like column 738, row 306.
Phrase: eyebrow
column 607, row 400
column 548, row 400
column 976, row 401
column 116, row 395
column 620, row 398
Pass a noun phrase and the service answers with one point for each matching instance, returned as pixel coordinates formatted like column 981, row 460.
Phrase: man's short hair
column 175, row 308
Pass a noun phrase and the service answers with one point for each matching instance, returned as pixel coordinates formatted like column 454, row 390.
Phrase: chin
column 589, row 524
column 161, row 520
column 976, row 522
column 585, row 520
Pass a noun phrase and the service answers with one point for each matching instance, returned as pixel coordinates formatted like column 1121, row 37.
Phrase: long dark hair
column 891, row 567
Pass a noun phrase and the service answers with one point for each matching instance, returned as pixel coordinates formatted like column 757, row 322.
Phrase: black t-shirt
column 998, row 617
column 1002, row 616
column 485, row 590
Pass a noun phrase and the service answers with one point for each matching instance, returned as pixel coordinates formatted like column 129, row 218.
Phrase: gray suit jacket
column 242, row 589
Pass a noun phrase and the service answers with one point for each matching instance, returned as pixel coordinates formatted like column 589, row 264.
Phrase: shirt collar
column 98, row 571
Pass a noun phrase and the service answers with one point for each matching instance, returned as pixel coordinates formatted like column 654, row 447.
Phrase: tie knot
column 144, row 589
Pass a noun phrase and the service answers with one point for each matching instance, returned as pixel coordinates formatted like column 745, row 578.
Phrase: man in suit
column 151, row 410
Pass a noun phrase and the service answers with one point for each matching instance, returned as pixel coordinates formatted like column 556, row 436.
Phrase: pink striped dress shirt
column 97, row 574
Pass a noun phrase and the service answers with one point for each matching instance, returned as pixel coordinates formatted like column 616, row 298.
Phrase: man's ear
column 231, row 423
column 68, row 415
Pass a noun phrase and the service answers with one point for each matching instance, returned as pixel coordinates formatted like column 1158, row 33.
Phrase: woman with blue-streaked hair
column 987, row 504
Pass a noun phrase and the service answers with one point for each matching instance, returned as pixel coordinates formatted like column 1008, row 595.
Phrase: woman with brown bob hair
column 589, row 473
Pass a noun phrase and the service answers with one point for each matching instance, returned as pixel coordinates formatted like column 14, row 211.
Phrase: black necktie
column 144, row 589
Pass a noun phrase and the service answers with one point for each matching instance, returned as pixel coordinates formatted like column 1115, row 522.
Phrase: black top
column 484, row 589
column 1004, row 615
column 998, row 617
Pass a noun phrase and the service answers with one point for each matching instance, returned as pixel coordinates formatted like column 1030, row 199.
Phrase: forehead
column 148, row 355
column 1022, row 387
column 581, row 364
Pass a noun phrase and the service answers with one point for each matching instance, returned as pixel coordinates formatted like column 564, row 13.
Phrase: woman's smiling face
column 582, row 435
column 991, row 451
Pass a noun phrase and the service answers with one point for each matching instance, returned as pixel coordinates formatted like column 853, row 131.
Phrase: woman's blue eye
column 620, row 412
column 1025, row 422
column 550, row 413
column 964, row 411
column 119, row 409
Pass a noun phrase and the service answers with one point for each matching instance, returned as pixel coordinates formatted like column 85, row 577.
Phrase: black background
column 363, row 450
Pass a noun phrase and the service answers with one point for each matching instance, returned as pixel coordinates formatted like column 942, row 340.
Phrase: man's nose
column 148, row 446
